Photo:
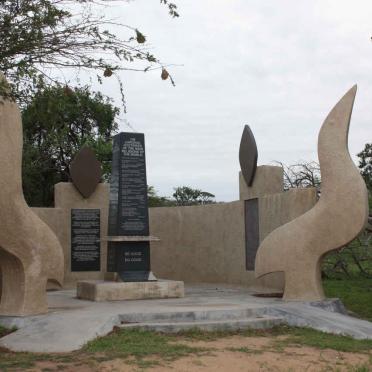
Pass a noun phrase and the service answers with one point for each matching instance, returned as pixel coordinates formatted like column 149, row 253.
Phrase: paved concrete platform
column 101, row 290
column 71, row 322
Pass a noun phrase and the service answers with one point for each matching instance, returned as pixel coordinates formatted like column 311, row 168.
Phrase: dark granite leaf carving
column 248, row 155
column 85, row 172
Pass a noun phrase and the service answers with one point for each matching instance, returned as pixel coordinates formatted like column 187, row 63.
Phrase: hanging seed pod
column 107, row 72
column 164, row 74
column 140, row 37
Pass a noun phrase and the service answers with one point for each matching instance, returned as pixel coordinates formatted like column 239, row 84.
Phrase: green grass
column 245, row 350
column 5, row 331
column 140, row 344
column 145, row 349
column 321, row 340
column 356, row 295
column 141, row 348
column 11, row 361
column 295, row 336
column 196, row 334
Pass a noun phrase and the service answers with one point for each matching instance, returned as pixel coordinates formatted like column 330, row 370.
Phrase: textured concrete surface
column 336, row 219
column 268, row 180
column 276, row 210
column 261, row 322
column 30, row 253
column 207, row 243
column 197, row 244
column 98, row 290
column 70, row 322
column 67, row 197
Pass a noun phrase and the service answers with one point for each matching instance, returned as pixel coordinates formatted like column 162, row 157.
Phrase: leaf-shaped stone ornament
column 248, row 155
column 85, row 172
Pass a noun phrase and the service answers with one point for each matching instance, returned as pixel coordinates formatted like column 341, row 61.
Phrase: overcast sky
column 279, row 66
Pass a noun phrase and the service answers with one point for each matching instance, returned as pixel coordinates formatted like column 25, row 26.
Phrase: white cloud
column 277, row 66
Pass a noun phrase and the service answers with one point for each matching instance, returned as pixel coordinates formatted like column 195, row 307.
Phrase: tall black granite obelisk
column 129, row 241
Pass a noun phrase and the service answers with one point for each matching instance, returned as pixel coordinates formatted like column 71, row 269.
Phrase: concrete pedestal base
column 98, row 290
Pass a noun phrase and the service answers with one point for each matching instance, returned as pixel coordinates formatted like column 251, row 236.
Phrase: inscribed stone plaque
column 128, row 213
column 130, row 259
column 85, row 240
column 114, row 188
column 252, row 232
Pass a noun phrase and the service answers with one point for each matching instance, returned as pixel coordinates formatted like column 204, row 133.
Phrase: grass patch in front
column 145, row 349
column 5, row 331
column 141, row 348
column 245, row 350
column 356, row 294
column 321, row 340
column 10, row 360
column 140, row 344
column 196, row 334
column 295, row 336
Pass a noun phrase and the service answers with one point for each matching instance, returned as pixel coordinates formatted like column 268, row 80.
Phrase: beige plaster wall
column 198, row 244
column 207, row 243
column 278, row 209
column 267, row 180
column 67, row 197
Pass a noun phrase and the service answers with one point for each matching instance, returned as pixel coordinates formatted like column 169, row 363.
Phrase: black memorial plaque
column 252, row 232
column 114, row 188
column 130, row 259
column 128, row 213
column 85, row 240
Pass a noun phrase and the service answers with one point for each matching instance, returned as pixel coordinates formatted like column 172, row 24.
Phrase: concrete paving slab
column 263, row 322
column 71, row 322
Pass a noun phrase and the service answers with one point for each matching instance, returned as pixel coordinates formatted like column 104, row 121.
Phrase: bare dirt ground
column 232, row 354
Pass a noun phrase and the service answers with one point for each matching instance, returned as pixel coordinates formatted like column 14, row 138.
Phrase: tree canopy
column 39, row 36
column 154, row 200
column 56, row 124
column 182, row 196
column 365, row 164
column 185, row 195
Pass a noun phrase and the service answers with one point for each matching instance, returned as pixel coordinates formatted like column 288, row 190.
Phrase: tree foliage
column 38, row 36
column 155, row 200
column 365, row 165
column 185, row 195
column 56, row 124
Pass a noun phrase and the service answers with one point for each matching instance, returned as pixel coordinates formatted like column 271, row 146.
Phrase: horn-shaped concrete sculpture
column 297, row 248
column 30, row 253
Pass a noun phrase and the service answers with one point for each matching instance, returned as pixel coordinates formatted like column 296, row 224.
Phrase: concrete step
column 195, row 315
column 263, row 322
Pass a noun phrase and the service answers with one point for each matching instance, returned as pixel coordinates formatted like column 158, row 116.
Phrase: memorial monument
column 129, row 241
column 128, row 251
column 267, row 240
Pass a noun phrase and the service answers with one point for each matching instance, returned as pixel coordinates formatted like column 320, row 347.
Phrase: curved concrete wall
column 197, row 244
column 207, row 243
